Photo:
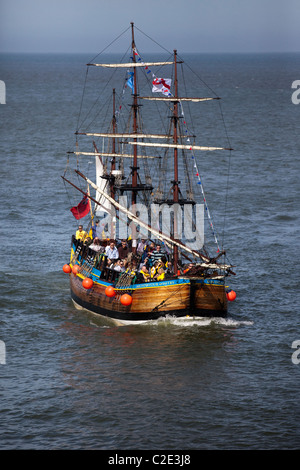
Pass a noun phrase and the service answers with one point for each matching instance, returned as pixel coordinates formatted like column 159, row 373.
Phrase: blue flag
column 130, row 81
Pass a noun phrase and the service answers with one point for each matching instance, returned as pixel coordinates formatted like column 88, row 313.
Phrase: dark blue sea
column 72, row 381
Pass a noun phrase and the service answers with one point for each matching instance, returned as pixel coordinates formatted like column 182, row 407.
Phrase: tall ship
column 145, row 244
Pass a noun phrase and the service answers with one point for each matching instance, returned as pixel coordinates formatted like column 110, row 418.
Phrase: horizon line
column 155, row 52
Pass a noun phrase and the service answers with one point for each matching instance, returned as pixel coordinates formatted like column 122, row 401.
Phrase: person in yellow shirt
column 154, row 269
column 160, row 275
column 81, row 234
column 145, row 273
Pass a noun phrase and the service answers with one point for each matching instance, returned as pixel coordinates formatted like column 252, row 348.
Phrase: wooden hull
column 179, row 297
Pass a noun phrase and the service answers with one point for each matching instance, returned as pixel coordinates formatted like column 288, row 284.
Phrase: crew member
column 81, row 234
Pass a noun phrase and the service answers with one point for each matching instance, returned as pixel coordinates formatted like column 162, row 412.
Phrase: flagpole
column 89, row 194
column 91, row 212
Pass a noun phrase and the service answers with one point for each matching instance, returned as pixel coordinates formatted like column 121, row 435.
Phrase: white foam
column 191, row 321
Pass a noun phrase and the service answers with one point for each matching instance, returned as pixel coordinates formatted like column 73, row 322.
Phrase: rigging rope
column 147, row 71
column 229, row 145
column 193, row 156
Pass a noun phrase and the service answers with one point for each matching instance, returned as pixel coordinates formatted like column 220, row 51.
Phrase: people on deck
column 87, row 241
column 111, row 251
column 149, row 263
column 160, row 275
column 187, row 268
column 94, row 229
column 80, row 233
column 145, row 274
column 109, row 263
column 165, row 263
column 131, row 269
column 96, row 245
column 154, row 269
column 124, row 250
column 141, row 248
column 119, row 266
column 157, row 254
column 144, row 262
column 151, row 248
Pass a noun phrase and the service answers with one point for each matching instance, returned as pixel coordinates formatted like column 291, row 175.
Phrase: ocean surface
column 70, row 380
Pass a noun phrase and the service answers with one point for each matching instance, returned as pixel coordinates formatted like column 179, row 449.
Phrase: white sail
column 102, row 183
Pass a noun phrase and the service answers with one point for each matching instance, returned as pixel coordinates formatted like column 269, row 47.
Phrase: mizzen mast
column 113, row 161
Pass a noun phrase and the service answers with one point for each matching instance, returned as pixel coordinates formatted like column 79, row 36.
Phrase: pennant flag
column 130, row 81
column 161, row 85
column 82, row 209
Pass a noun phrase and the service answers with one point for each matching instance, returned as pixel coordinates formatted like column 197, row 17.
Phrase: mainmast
column 175, row 140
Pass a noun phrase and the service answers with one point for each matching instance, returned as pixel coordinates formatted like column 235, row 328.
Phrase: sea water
column 70, row 380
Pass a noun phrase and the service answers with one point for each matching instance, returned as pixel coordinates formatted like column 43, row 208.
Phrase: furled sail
column 173, row 99
column 111, row 155
column 133, row 64
column 123, row 135
column 178, row 146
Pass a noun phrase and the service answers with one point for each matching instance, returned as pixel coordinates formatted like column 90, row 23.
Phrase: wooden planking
column 176, row 297
column 171, row 297
column 210, row 297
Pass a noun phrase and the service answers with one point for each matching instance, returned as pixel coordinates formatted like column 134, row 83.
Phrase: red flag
column 82, row 209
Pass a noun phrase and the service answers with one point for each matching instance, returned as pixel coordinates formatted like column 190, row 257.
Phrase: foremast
column 135, row 105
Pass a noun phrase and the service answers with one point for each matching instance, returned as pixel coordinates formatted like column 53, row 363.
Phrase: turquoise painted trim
column 161, row 283
column 210, row 281
column 145, row 285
